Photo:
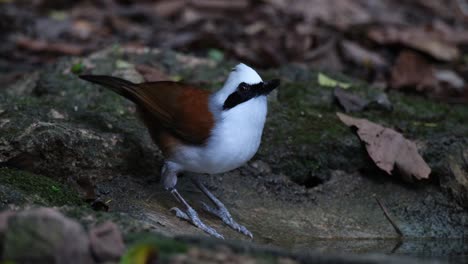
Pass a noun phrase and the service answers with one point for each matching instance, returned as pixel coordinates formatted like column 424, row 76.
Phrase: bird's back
column 171, row 110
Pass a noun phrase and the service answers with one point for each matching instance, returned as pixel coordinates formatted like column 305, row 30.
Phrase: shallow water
column 446, row 250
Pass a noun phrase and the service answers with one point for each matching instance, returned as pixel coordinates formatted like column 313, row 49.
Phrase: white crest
column 240, row 73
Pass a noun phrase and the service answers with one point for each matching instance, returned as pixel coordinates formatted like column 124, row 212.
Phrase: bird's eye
column 243, row 87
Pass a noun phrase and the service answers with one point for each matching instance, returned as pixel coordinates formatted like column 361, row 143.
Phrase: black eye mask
column 245, row 92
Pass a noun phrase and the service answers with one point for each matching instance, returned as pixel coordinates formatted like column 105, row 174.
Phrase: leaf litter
column 389, row 150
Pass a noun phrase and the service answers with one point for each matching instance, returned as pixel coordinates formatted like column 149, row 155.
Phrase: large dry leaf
column 389, row 149
column 420, row 38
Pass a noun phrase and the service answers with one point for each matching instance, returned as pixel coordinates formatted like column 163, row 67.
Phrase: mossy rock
column 36, row 189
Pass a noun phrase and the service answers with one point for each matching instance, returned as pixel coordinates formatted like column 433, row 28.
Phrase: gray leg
column 169, row 173
column 221, row 210
column 191, row 216
column 169, row 180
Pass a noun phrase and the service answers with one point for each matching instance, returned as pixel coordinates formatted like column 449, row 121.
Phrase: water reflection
column 452, row 250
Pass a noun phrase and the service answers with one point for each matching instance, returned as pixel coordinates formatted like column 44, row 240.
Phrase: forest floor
column 313, row 192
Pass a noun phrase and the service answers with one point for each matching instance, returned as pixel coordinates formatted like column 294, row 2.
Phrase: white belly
column 234, row 140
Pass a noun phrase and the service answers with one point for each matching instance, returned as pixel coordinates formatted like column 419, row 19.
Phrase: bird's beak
column 269, row 86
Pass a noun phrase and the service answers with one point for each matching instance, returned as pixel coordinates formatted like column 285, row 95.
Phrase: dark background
column 419, row 44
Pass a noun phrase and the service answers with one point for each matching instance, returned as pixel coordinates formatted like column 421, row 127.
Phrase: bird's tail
column 120, row 86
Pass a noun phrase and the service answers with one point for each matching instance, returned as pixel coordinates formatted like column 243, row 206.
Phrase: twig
column 389, row 218
column 397, row 246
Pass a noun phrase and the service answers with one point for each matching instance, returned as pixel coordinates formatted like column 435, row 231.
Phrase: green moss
column 39, row 189
column 304, row 138
column 309, row 111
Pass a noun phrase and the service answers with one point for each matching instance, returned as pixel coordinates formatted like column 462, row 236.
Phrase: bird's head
column 242, row 85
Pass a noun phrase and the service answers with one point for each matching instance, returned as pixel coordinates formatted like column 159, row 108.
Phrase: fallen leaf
column 419, row 38
column 350, row 102
column 152, row 74
column 326, row 81
column 361, row 56
column 412, row 70
column 37, row 45
column 389, row 149
column 451, row 78
column 141, row 254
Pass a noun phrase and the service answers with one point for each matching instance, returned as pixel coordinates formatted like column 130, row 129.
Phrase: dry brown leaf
column 361, row 56
column 412, row 70
column 389, row 149
column 423, row 39
column 151, row 74
column 37, row 45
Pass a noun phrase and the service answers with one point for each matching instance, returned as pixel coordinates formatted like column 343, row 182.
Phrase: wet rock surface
column 311, row 186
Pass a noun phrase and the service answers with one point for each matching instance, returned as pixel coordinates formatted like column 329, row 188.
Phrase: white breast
column 234, row 140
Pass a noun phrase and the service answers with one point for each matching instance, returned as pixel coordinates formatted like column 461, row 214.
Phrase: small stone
column 56, row 114
column 44, row 235
column 261, row 166
column 106, row 242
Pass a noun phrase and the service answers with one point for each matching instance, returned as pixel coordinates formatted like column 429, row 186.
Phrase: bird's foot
column 221, row 211
column 191, row 216
column 225, row 216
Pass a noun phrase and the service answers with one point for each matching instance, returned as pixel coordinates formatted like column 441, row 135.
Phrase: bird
column 199, row 131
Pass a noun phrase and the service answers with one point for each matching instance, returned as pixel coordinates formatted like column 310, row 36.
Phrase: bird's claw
column 191, row 216
column 226, row 217
column 181, row 214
